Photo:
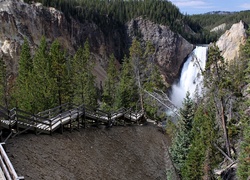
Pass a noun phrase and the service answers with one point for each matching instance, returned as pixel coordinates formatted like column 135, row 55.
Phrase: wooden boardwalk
column 69, row 116
column 73, row 116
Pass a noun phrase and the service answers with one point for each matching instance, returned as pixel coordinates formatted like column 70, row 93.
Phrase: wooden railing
column 7, row 167
column 54, row 111
column 52, row 119
column 28, row 121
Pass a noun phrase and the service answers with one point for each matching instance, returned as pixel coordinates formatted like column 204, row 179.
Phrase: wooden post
column 83, row 117
column 35, row 125
column 70, row 125
column 85, row 120
column 61, row 124
column 50, row 126
column 78, row 121
column 109, row 119
column 16, row 117
column 70, row 121
column 1, row 135
column 36, row 131
column 97, row 121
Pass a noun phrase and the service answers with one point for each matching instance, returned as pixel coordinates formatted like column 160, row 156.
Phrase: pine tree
column 154, row 80
column 137, row 60
column 83, row 79
column 61, row 75
column 127, row 95
column 243, row 171
column 24, row 95
column 182, row 140
column 43, row 82
column 218, row 80
column 202, row 155
column 110, row 87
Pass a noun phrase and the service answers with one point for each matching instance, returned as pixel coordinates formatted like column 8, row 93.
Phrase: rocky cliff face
column 20, row 20
column 229, row 43
column 171, row 48
column 219, row 28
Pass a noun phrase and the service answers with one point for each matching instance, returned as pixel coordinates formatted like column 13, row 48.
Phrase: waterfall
column 191, row 76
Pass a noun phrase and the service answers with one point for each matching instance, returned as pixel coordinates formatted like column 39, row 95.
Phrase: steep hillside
column 117, row 153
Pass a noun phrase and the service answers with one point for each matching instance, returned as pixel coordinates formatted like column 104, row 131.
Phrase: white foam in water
column 191, row 76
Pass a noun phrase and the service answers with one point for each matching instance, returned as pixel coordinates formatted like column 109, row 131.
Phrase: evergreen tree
column 83, row 79
column 182, row 140
column 110, row 87
column 152, row 81
column 24, row 95
column 43, row 82
column 218, row 80
column 127, row 95
column 61, row 75
column 202, row 157
column 243, row 171
column 137, row 61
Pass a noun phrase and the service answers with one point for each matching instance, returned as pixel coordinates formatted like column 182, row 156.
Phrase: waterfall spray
column 191, row 76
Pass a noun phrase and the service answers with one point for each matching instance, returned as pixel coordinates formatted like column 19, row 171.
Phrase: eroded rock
column 171, row 48
column 230, row 42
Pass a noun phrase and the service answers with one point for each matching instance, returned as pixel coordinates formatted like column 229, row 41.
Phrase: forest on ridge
column 113, row 14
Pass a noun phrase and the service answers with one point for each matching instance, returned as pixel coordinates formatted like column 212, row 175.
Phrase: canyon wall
column 20, row 20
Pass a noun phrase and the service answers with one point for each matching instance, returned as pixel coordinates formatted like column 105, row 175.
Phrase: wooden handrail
column 69, row 110
column 7, row 166
column 31, row 117
column 48, row 112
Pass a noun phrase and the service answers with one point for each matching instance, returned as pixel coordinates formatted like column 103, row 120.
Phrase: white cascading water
column 191, row 76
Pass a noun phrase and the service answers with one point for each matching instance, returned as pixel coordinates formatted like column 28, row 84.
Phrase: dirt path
column 122, row 153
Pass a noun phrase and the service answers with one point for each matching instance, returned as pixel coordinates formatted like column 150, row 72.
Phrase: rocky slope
column 229, row 43
column 20, row 20
column 118, row 153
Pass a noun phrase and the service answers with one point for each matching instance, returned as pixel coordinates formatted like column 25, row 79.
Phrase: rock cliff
column 229, row 43
column 171, row 48
column 20, row 20
column 219, row 28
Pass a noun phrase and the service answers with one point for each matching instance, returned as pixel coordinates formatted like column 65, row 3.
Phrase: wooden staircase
column 18, row 121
